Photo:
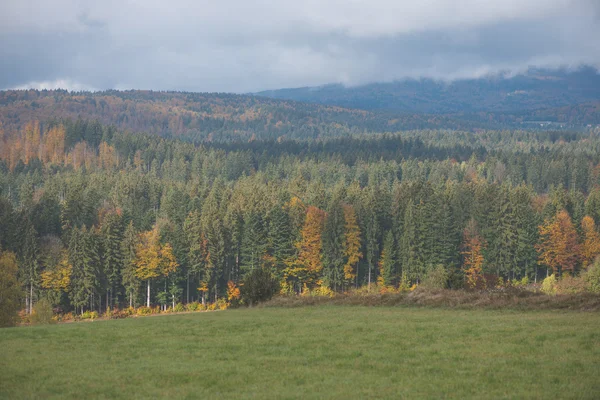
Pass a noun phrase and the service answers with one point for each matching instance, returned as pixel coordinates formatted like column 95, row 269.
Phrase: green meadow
column 309, row 352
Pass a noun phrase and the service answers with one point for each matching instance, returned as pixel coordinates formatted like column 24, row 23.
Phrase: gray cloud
column 243, row 45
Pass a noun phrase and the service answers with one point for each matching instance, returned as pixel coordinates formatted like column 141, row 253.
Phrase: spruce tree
column 334, row 245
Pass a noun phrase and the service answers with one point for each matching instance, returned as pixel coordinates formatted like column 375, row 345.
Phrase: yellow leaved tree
column 153, row 259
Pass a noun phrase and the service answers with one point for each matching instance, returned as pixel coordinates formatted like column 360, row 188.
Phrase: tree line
column 94, row 218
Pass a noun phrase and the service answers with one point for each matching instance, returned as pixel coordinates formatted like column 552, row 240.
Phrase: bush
column 259, row 285
column 571, row 285
column 90, row 315
column 179, row 307
column 436, row 278
column 520, row 283
column 222, row 304
column 147, row 310
column 592, row 277
column 549, row 285
column 192, row 306
column 42, row 313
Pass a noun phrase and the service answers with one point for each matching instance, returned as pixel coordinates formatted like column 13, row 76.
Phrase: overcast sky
column 251, row 45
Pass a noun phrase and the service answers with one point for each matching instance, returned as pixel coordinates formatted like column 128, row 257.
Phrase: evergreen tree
column 254, row 242
column 112, row 235
column 280, row 239
column 387, row 264
column 334, row 245
column 130, row 281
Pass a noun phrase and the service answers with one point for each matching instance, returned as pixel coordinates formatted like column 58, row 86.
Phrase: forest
column 94, row 218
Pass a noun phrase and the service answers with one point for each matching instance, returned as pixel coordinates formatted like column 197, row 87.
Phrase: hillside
column 204, row 116
column 537, row 89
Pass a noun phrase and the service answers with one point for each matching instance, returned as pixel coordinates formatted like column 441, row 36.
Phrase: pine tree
column 353, row 244
column 75, row 255
column 112, row 235
column 254, row 242
column 334, row 245
column 280, row 239
column 30, row 262
column 214, row 230
column 129, row 279
column 387, row 263
column 196, row 243
column 408, row 245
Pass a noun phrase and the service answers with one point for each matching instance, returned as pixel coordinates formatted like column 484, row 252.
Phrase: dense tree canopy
column 100, row 218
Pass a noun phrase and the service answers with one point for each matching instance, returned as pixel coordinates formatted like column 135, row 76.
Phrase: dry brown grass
column 510, row 299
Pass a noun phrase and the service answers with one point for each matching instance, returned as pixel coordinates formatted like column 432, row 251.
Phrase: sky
column 250, row 45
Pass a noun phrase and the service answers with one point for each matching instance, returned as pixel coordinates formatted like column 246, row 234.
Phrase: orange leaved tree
column 590, row 248
column 559, row 245
column 472, row 252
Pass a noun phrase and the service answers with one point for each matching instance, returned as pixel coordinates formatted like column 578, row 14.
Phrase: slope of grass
column 311, row 352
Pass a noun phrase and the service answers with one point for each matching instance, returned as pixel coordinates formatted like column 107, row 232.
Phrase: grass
column 309, row 352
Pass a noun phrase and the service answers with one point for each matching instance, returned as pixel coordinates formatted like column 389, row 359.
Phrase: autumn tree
column 307, row 268
column 472, row 252
column 590, row 247
column 58, row 278
column 559, row 248
column 153, row 259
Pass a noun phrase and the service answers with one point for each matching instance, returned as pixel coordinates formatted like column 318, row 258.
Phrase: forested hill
column 206, row 116
column 536, row 89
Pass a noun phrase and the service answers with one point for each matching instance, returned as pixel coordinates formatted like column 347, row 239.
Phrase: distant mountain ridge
column 536, row 89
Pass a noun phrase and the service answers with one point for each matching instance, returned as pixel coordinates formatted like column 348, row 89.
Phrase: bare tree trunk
column 148, row 298
column 173, row 302
column 369, row 284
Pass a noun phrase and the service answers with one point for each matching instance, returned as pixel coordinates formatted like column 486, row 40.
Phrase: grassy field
column 311, row 352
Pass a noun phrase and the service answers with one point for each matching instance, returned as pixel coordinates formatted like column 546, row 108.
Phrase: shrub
column 118, row 314
column 404, row 284
column 66, row 317
column 592, row 277
column 179, row 307
column 144, row 310
column 192, row 306
column 520, row 283
column 42, row 313
column 259, row 285
column 322, row 291
column 437, row 278
column 570, row 285
column 90, row 315
column 549, row 285
column 222, row 304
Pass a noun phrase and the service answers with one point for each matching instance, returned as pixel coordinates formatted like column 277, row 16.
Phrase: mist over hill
column 535, row 89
